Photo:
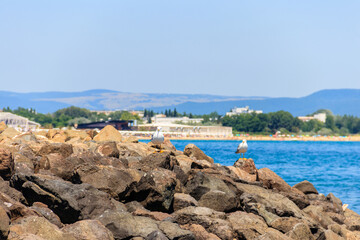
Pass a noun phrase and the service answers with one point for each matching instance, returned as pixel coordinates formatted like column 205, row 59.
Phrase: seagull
column 157, row 138
column 242, row 148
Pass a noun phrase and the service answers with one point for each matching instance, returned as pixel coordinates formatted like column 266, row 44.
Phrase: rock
column 182, row 200
column 108, row 133
column 184, row 163
column 37, row 226
column 200, row 233
column 134, row 149
column 3, row 126
column 158, row 216
column 108, row 149
column 70, row 134
column 300, row 231
column 285, row 224
column 6, row 163
column 194, row 152
column 155, row 190
column 336, row 203
column 271, row 180
column 131, row 139
column 173, row 231
column 330, row 235
column 298, row 197
column 246, row 164
column 164, row 160
column 109, row 179
column 57, row 164
column 25, row 137
column 306, row 187
column 201, row 164
column 246, row 225
column 243, row 174
column 219, row 201
column 4, row 224
column 133, row 206
column 125, row 225
column 11, row 192
column 9, row 133
column 156, row 235
column 88, row 230
column 60, row 137
column 352, row 220
column 213, row 221
column 47, row 213
column 65, row 150
column 272, row 234
column 319, row 215
column 71, row 202
column 273, row 202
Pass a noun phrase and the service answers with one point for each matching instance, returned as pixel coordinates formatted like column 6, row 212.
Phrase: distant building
column 243, row 110
column 319, row 116
column 162, row 119
column 118, row 124
column 18, row 122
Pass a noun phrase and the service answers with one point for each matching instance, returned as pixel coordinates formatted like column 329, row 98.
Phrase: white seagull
column 242, row 148
column 157, row 138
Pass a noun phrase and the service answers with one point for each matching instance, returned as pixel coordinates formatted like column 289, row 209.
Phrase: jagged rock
column 4, row 224
column 247, row 165
column 184, row 163
column 158, row 216
column 133, row 206
column 134, row 149
column 11, row 192
column 109, row 179
column 272, row 234
column 165, row 160
column 182, row 200
column 306, row 187
column 219, row 201
column 271, row 180
column 243, row 174
column 273, row 202
column 213, row 221
column 155, row 190
column 108, row 149
column 330, row 235
column 38, row 226
column 108, row 133
column 9, row 133
column 246, row 225
column 57, row 164
column 200, row 233
column 300, row 231
column 47, row 213
column 88, row 230
column 173, row 231
column 352, row 220
column 298, row 197
column 201, row 164
column 156, row 235
column 71, row 202
column 6, row 163
column 25, row 137
column 194, row 152
column 63, row 149
column 335, row 202
column 319, row 215
column 285, row 224
column 124, row 225
column 166, row 145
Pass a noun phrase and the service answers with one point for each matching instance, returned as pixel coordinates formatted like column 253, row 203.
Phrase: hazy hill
column 340, row 101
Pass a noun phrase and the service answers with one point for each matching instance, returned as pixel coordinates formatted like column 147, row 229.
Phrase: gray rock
column 173, row 231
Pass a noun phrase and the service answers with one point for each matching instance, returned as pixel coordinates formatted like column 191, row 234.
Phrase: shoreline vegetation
column 86, row 185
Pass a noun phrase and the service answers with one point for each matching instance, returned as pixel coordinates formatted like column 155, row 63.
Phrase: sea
column 332, row 167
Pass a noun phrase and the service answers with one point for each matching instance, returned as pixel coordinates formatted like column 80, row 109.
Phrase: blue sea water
column 329, row 166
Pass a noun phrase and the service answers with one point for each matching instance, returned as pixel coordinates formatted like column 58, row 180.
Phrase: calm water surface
column 330, row 166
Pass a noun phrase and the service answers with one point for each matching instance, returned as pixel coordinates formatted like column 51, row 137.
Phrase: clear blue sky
column 246, row 48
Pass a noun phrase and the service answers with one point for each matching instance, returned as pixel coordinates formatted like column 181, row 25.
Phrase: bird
column 242, row 148
column 158, row 138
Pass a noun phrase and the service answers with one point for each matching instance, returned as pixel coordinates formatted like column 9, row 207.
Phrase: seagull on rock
column 242, row 148
column 158, row 138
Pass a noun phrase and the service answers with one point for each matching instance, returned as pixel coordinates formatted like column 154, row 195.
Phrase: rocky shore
column 83, row 185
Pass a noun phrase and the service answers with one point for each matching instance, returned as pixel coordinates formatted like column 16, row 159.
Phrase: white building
column 238, row 111
column 319, row 116
column 162, row 119
column 18, row 122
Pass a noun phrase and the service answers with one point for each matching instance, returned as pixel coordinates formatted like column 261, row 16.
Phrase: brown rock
column 330, row 235
column 164, row 160
column 300, row 232
column 182, row 200
column 158, row 216
column 6, row 163
column 184, row 162
column 88, row 230
column 200, row 232
column 4, row 224
column 134, row 149
column 47, row 213
column 246, row 164
column 306, row 187
column 3, row 126
column 194, row 152
column 219, row 201
column 272, row 234
column 247, row 225
column 271, row 180
column 108, row 133
column 76, row 134
column 131, row 139
column 243, row 174
column 108, row 149
column 60, row 148
column 173, row 231
column 59, row 138
column 352, row 220
column 9, row 133
column 285, row 224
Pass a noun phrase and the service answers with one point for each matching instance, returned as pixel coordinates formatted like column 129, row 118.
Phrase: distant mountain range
column 339, row 101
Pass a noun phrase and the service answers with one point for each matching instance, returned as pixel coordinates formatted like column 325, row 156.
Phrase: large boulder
column 247, row 225
column 6, row 163
column 300, row 231
column 88, row 230
column 194, row 152
column 247, row 165
column 164, row 160
column 182, row 200
column 352, row 220
column 108, row 133
column 71, row 202
column 4, row 224
column 47, row 213
column 108, row 149
column 306, row 187
column 173, row 231
column 219, row 201
column 271, row 180
column 243, row 175
column 65, row 150
column 124, row 225
column 200, row 232
column 155, row 190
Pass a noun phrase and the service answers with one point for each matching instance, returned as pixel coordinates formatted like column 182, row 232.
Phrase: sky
column 236, row 48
